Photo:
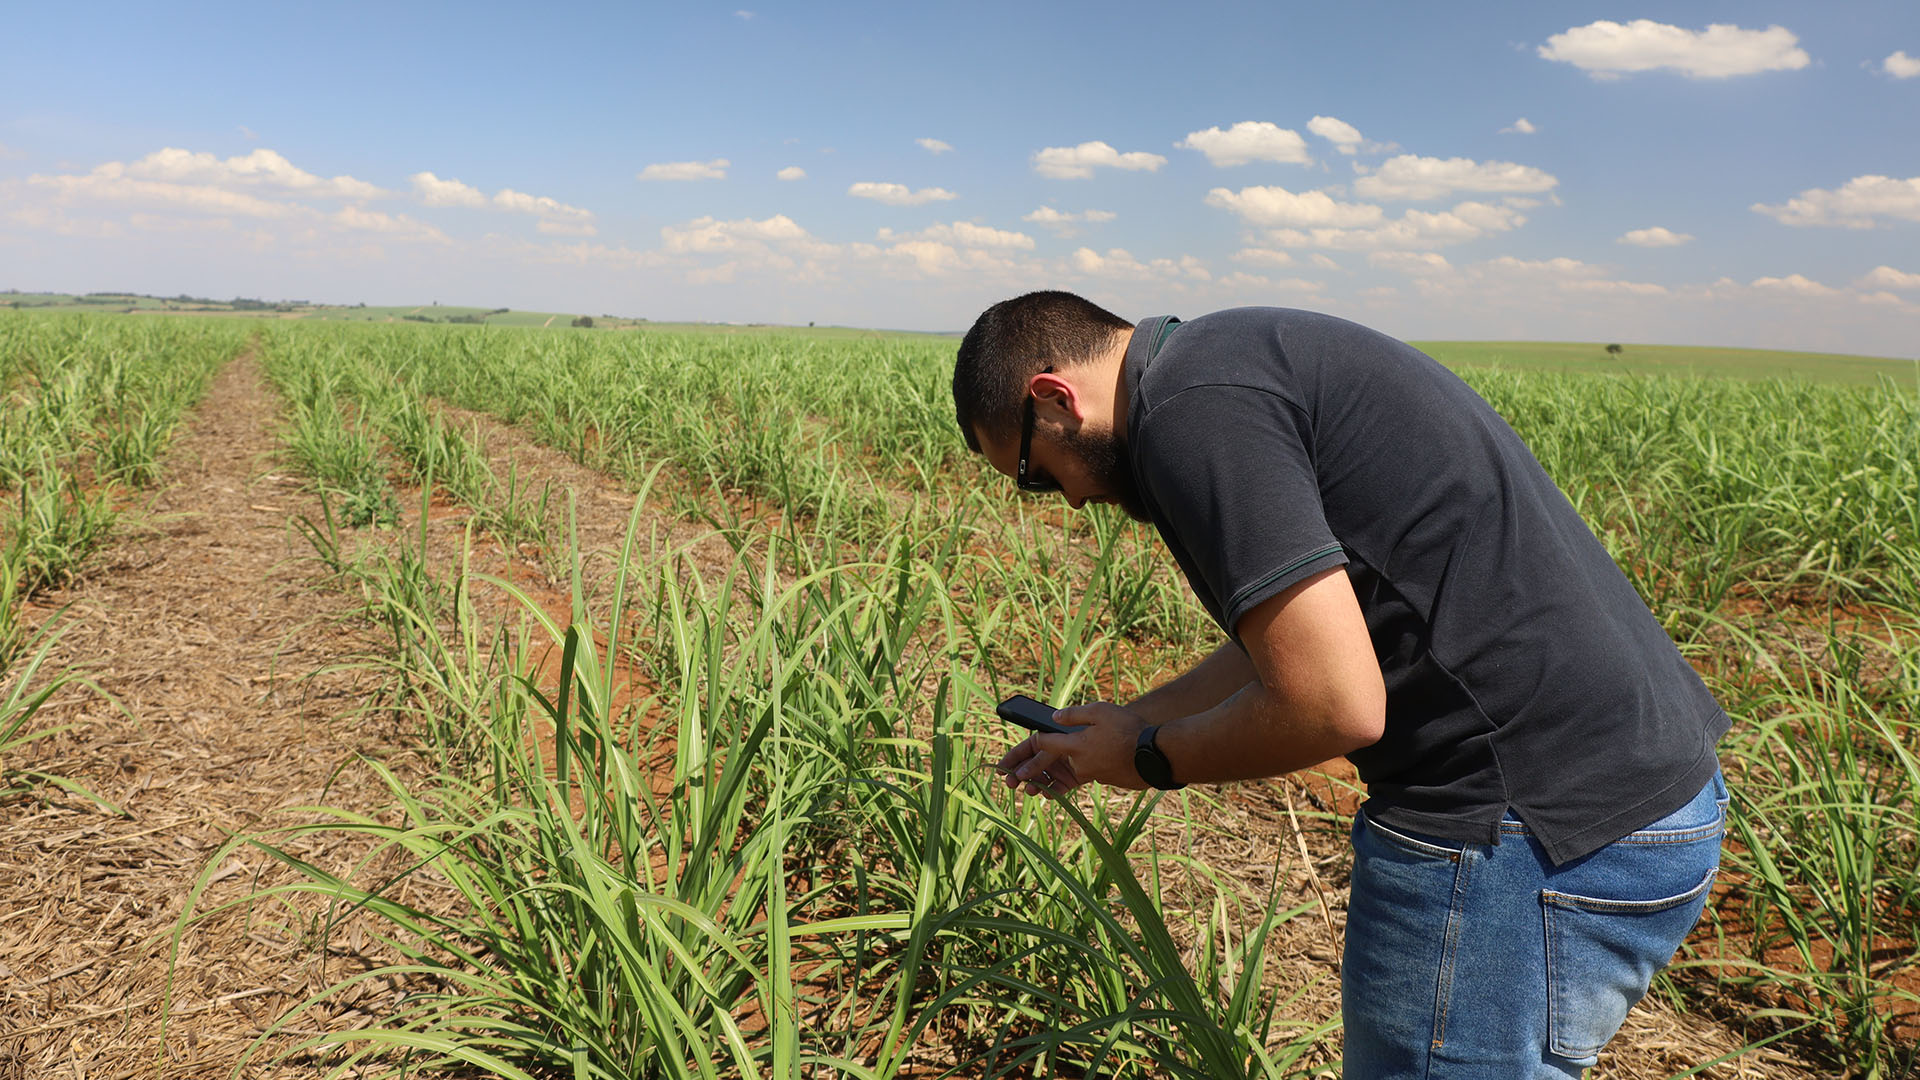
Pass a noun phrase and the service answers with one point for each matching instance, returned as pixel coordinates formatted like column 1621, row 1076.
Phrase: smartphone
column 1030, row 714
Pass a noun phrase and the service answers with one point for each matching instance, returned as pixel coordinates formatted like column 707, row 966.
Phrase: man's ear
column 1055, row 400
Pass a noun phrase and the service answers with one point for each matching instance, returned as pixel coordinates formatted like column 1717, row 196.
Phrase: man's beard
column 1105, row 459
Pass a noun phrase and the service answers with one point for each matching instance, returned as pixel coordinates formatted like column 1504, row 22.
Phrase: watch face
column 1143, row 764
column 1152, row 766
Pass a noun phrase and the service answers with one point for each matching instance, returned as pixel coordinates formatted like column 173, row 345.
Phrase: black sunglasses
column 1042, row 483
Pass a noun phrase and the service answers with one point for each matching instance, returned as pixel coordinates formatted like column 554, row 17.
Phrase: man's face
column 1069, row 449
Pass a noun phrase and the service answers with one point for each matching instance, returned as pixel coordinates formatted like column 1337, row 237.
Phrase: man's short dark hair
column 1013, row 341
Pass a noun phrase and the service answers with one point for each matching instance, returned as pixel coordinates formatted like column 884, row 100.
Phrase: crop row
column 785, row 855
column 86, row 407
column 1773, row 483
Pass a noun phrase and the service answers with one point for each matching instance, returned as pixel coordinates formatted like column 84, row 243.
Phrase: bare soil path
column 204, row 626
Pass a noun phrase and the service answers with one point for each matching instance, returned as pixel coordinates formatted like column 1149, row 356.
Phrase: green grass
column 1566, row 357
column 819, row 885
column 86, row 405
column 389, row 312
column 947, row 341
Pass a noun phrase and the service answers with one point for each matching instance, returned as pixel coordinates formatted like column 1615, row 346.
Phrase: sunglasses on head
column 1026, row 482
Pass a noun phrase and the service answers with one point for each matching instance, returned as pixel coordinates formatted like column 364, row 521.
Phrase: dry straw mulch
column 202, row 626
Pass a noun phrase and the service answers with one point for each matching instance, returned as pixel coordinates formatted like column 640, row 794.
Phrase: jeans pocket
column 1412, row 845
column 1601, row 955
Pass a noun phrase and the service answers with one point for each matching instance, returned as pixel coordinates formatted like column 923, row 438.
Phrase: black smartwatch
column 1150, row 763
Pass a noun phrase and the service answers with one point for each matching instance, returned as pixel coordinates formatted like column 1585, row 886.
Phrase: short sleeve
column 1228, row 471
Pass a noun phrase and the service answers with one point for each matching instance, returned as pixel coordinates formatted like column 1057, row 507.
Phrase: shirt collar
column 1148, row 336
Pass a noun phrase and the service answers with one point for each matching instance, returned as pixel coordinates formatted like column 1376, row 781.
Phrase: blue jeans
column 1486, row 960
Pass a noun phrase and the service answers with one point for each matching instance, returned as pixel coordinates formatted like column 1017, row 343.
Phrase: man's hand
column 1101, row 751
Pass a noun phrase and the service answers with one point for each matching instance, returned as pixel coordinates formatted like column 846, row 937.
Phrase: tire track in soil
column 203, row 620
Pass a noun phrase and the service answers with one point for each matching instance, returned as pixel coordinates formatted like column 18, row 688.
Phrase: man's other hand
column 1101, row 751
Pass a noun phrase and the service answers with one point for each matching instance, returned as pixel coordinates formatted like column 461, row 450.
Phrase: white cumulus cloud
column 1886, row 277
column 934, row 146
column 1794, row 283
column 898, row 194
column 946, row 249
column 1249, row 141
column 709, row 234
column 1511, row 281
column 964, row 234
column 109, row 183
column 1242, row 280
column 261, row 169
column 1066, row 223
column 1619, row 288
column 1276, row 206
column 1263, row 257
column 1411, row 263
column 777, row 245
column 1412, row 178
column 1900, row 65
column 1657, row 236
column 1338, row 132
column 1120, row 263
column 433, row 191
column 1559, row 267
column 556, row 217
column 930, row 257
column 791, row 172
column 1522, row 126
column 1413, row 230
column 1607, row 49
column 395, row 225
column 540, row 205
column 1860, row 203
column 1078, row 162
column 686, row 170
column 1886, row 299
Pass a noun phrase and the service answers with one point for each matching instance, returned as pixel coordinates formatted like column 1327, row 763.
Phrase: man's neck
column 1114, row 363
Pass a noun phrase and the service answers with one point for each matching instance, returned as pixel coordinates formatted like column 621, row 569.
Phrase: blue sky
column 1710, row 173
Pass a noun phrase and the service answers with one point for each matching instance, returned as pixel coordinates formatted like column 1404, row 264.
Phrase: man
column 1400, row 583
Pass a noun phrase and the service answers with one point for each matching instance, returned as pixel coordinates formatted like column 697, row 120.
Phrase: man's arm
column 1319, row 695
column 1213, row 680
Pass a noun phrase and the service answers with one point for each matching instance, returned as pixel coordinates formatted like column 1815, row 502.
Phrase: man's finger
column 1018, row 752
column 1038, row 763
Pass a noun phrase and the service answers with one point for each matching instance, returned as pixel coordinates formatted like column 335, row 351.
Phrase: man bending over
column 1399, row 582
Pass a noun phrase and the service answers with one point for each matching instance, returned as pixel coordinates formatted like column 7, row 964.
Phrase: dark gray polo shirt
column 1522, row 670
